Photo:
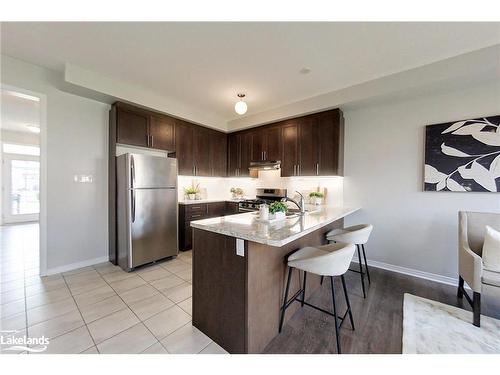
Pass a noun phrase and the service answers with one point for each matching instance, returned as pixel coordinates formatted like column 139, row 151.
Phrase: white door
column 21, row 188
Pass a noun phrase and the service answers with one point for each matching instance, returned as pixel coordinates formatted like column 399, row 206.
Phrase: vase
column 192, row 197
column 280, row 215
column 318, row 201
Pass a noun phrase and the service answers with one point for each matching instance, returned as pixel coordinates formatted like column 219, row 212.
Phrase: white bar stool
column 327, row 260
column 358, row 235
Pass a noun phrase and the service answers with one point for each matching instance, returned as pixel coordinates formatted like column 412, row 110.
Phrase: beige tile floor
column 97, row 309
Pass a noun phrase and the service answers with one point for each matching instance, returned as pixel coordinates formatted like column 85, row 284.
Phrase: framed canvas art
column 463, row 156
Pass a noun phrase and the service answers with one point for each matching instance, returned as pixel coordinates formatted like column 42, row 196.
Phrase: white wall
column 384, row 171
column 76, row 144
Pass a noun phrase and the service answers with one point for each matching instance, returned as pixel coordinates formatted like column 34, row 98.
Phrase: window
column 11, row 148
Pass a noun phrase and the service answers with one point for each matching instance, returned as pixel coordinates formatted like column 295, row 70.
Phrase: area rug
column 431, row 327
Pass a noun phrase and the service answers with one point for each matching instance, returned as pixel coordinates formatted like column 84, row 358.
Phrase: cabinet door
column 273, row 143
column 201, row 151
column 233, row 154
column 308, row 146
column 232, row 208
column 258, row 143
column 132, row 128
column 216, row 209
column 289, row 141
column 184, row 148
column 162, row 130
column 245, row 154
column 218, row 154
column 329, row 144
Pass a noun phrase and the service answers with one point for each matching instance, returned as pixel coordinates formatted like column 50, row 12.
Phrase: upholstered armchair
column 472, row 229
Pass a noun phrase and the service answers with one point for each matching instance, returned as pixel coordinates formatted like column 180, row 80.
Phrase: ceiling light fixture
column 34, row 129
column 241, row 107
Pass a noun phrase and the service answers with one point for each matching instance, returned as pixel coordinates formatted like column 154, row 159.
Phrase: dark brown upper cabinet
column 313, row 145
column 162, row 133
column 331, row 143
column 290, row 146
column 233, row 154
column 266, row 143
column 132, row 127
column 200, row 151
column 218, row 154
column 184, row 148
column 140, row 127
column 239, row 154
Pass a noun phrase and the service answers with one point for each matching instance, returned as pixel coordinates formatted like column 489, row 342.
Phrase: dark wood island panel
column 236, row 299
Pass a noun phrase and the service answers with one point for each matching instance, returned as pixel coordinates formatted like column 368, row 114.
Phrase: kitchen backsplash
column 218, row 188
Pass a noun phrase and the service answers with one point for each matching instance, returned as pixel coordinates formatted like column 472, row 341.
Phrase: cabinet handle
column 265, row 155
column 317, row 169
column 152, row 143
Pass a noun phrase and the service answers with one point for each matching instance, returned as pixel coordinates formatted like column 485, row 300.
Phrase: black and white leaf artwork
column 463, row 156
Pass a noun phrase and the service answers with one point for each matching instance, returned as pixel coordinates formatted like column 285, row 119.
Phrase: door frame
column 9, row 218
column 42, row 221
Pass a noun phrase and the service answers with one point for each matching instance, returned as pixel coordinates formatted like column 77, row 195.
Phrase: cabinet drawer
column 195, row 216
column 196, row 208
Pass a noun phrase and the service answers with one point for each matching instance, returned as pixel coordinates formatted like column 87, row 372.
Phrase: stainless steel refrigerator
column 146, row 209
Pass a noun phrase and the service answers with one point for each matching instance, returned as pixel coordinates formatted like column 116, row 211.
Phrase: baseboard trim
column 412, row 272
column 74, row 266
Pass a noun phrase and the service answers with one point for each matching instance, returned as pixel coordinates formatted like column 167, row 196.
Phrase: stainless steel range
column 264, row 195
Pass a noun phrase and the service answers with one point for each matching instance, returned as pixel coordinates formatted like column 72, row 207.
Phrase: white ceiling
column 18, row 112
column 206, row 64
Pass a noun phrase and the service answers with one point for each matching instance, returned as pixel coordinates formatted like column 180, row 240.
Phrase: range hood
column 266, row 165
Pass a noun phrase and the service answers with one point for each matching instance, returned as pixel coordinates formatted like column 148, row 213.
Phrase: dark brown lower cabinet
column 198, row 211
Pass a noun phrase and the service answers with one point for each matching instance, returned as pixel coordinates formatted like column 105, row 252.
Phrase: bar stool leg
column 347, row 302
column 366, row 264
column 282, row 318
column 361, row 271
column 337, row 333
column 304, row 289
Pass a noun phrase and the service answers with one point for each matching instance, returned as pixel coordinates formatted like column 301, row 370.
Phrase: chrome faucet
column 301, row 206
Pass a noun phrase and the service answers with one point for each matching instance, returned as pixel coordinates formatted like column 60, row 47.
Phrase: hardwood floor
column 378, row 319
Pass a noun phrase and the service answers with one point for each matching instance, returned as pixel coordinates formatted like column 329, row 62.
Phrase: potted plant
column 278, row 210
column 316, row 197
column 192, row 191
column 237, row 193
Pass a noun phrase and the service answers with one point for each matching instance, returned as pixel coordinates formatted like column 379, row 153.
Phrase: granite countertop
column 245, row 226
column 198, row 201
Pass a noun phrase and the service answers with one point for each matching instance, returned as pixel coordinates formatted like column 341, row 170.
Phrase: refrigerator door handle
column 132, row 194
column 132, row 172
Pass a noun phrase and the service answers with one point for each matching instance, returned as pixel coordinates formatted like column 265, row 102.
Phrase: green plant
column 316, row 194
column 192, row 189
column 278, row 207
column 237, row 191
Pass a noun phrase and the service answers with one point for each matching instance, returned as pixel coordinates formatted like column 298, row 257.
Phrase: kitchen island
column 239, row 273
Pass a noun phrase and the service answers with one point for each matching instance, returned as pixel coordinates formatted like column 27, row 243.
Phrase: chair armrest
column 470, row 266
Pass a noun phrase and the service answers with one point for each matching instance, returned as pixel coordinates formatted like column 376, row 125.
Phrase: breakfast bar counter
column 239, row 273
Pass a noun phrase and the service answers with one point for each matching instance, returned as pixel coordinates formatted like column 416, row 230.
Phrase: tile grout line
column 78, row 308
column 140, row 320
column 126, row 304
column 133, row 312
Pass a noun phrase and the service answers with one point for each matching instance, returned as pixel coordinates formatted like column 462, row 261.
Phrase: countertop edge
column 277, row 243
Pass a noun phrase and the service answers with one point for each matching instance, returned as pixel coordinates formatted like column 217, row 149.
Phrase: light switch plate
column 240, row 247
column 83, row 178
